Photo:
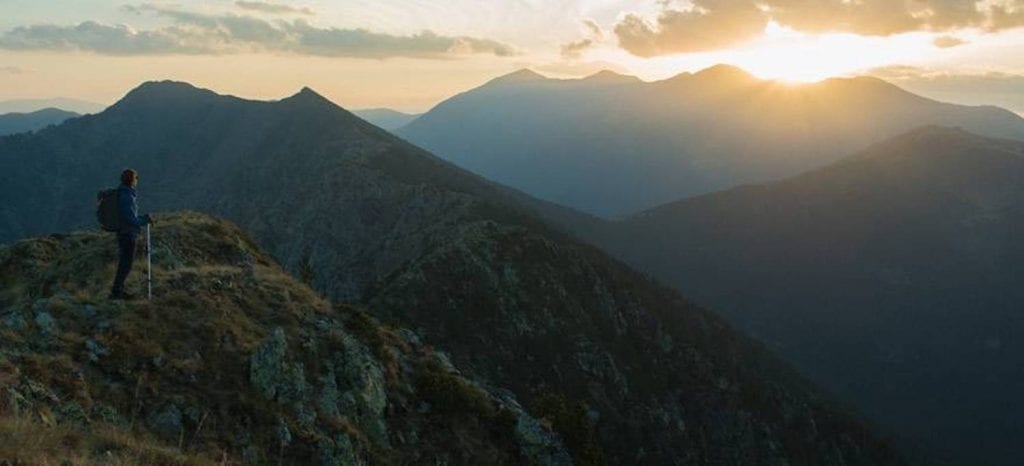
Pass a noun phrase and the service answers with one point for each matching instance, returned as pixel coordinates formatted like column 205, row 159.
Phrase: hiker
column 129, row 225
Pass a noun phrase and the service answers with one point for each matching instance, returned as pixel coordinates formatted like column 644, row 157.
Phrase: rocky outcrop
column 234, row 359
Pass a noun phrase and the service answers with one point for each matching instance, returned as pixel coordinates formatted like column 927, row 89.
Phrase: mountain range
column 11, row 123
column 891, row 277
column 612, row 145
column 623, row 369
column 67, row 104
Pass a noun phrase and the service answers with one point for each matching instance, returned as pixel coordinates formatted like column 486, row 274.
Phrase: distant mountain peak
column 308, row 98
column 522, row 75
column 307, row 93
column 609, row 76
column 31, row 105
column 728, row 72
column 162, row 92
column 149, row 87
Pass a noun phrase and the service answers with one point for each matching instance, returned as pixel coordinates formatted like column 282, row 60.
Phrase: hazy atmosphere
column 512, row 232
column 410, row 55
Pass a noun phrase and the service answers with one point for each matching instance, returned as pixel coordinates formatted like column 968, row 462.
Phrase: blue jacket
column 128, row 211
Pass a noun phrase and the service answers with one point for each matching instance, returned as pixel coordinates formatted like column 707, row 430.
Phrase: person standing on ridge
column 130, row 224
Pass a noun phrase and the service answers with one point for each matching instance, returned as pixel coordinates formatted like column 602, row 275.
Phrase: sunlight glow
column 791, row 56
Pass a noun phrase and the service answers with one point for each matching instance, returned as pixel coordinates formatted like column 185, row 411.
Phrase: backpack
column 107, row 210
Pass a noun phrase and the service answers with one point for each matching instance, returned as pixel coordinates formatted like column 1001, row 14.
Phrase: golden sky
column 410, row 54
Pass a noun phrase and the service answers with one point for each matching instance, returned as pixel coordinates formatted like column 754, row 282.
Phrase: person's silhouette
column 129, row 225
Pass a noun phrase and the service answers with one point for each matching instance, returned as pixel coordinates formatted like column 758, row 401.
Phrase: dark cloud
column 195, row 33
column 716, row 24
column 273, row 8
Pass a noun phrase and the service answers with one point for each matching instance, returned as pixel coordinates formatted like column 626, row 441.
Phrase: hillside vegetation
column 231, row 362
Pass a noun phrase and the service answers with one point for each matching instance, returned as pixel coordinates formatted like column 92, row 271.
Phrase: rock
column 538, row 445
column 284, row 436
column 13, row 319
column 87, row 311
column 168, row 421
column 107, row 414
column 272, row 375
column 359, row 389
column 446, row 362
column 72, row 413
column 95, row 350
column 46, row 323
column 337, row 451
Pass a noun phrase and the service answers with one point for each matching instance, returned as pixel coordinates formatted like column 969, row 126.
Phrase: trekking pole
column 149, row 265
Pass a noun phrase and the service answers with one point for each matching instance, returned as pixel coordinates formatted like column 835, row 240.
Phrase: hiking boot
column 120, row 296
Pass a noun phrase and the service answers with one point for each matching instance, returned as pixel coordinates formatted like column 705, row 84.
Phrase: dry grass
column 91, row 381
column 25, row 441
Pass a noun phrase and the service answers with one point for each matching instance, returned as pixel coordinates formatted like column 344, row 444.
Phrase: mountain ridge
column 655, row 142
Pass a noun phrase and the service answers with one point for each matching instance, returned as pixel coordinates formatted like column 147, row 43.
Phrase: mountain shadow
column 890, row 277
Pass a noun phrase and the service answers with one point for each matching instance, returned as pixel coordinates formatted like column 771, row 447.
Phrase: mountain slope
column 627, row 371
column 611, row 145
column 385, row 117
column 891, row 277
column 232, row 357
column 11, row 123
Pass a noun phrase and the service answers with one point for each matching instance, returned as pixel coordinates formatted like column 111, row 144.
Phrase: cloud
column 946, row 42
column 107, row 40
column 574, row 50
column 709, row 25
column 196, row 33
column 273, row 8
column 594, row 29
column 13, row 70
column 716, row 24
column 595, row 35
column 362, row 43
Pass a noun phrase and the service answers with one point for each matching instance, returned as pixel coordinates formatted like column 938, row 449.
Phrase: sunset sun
column 790, row 56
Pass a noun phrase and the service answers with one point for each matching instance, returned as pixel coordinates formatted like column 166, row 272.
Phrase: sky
column 411, row 54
